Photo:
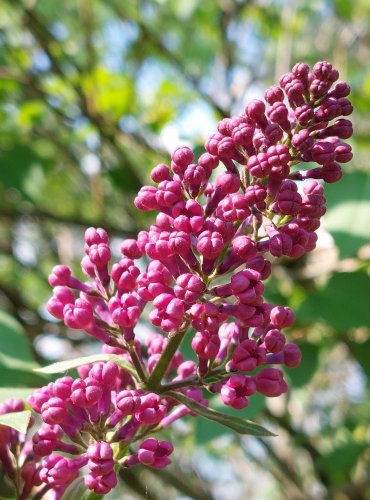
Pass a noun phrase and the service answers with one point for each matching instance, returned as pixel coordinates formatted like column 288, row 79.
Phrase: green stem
column 137, row 364
column 164, row 361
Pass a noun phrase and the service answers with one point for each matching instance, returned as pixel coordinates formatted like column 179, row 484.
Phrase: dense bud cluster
column 221, row 219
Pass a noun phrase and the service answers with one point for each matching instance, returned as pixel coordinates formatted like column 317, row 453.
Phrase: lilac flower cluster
column 220, row 221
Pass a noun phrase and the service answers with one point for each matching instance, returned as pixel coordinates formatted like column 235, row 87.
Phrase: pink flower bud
column 128, row 402
column 168, row 193
column 59, row 471
column 244, row 247
column 78, row 315
column 235, row 391
column 206, row 344
column 61, row 297
column 323, row 152
column 160, row 173
column 94, row 236
column 247, row 356
column 292, row 355
column 130, row 249
column 100, row 457
column 210, row 244
column 270, row 382
column 105, row 373
column 124, row 274
column 60, row 276
column 54, row 411
column 282, row 317
column 124, row 310
column 146, row 198
column 183, row 156
column 189, row 288
column 101, row 485
column 274, row 94
column 274, row 341
column 151, row 409
column 155, row 453
column 86, row 392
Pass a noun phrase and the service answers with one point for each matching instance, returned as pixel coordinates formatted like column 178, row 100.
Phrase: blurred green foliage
column 92, row 95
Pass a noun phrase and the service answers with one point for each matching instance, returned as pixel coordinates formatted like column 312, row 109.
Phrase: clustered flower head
column 221, row 219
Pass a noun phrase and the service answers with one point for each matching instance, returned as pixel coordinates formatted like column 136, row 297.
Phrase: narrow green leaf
column 237, row 424
column 63, row 366
column 15, row 392
column 17, row 420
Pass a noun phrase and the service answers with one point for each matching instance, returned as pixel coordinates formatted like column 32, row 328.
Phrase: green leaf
column 63, row 366
column 348, row 212
column 342, row 303
column 361, row 352
column 15, row 392
column 206, row 431
column 17, row 420
column 237, row 424
column 16, row 359
column 303, row 373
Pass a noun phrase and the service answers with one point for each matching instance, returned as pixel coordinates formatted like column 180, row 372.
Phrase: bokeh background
column 93, row 94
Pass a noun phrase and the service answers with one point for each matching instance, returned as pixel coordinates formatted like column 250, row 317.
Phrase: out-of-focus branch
column 173, row 59
column 15, row 213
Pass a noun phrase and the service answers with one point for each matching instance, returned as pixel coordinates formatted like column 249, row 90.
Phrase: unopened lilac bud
column 60, row 276
column 86, row 392
column 304, row 114
column 206, row 344
column 180, row 243
column 100, row 457
column 78, row 315
column 54, row 411
column 58, row 471
column 94, row 236
column 247, row 356
column 274, row 341
column 274, row 94
column 210, row 244
column 124, row 310
column 155, row 453
column 281, row 316
column 255, row 110
column 270, row 382
column 61, row 297
column 105, row 373
column 189, row 288
column 292, row 355
column 323, row 152
column 151, row 409
column 242, row 135
column 128, row 402
column 101, row 485
column 228, row 183
column 160, row 173
column 99, row 254
column 208, row 161
column 235, row 391
column 146, row 198
column 130, row 249
column 331, row 172
column 168, row 193
column 183, row 156
column 341, row 89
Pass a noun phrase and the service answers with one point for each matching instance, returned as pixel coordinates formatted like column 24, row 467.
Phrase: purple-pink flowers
column 221, row 220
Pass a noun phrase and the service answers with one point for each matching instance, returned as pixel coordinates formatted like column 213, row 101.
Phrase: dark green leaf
column 237, row 424
column 342, row 303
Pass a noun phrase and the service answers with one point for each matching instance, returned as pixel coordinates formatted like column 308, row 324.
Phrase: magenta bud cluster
column 221, row 220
